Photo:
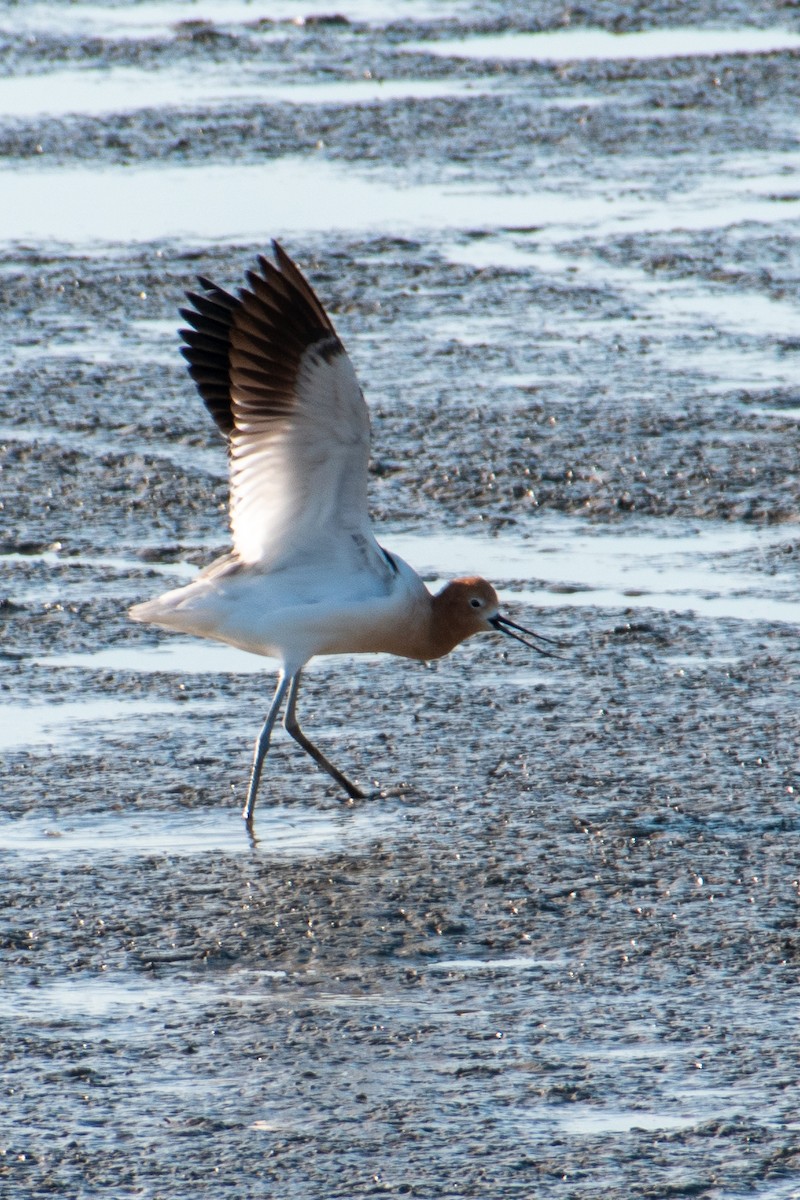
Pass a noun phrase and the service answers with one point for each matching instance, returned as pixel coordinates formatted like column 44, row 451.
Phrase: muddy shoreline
column 555, row 952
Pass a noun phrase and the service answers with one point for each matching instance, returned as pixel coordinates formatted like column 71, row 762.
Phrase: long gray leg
column 262, row 744
column 291, row 726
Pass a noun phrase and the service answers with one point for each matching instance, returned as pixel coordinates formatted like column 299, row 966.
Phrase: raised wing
column 278, row 382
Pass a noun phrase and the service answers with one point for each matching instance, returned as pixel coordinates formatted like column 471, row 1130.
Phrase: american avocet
column 306, row 575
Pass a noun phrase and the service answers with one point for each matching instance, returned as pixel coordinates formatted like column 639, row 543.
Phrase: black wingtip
column 265, row 327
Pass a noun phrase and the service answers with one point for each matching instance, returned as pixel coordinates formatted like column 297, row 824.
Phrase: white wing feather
column 279, row 384
column 301, row 481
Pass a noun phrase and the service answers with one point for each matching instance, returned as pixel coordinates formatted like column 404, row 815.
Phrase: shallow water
column 126, row 89
column 282, row 834
column 46, row 724
column 143, row 203
column 570, row 45
column 154, row 19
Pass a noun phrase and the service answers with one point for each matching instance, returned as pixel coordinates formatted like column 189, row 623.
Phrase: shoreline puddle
column 663, row 565
column 691, row 304
column 104, row 92
column 513, row 962
column 148, row 20
column 139, row 203
column 587, row 44
column 280, row 833
column 28, row 726
column 173, row 655
column 119, row 998
column 585, row 1121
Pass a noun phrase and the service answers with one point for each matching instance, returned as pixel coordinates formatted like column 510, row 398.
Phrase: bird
column 305, row 575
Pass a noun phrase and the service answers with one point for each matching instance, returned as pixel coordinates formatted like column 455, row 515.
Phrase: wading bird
column 305, row 575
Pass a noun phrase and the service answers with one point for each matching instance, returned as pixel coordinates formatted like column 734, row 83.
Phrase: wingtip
column 190, row 315
column 269, row 263
column 282, row 259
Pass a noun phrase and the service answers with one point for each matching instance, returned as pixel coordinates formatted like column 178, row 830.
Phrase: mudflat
column 555, row 953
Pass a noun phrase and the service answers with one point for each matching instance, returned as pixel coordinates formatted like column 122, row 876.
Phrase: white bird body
column 300, row 610
column 306, row 575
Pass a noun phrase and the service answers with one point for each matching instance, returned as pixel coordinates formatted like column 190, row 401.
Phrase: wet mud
column 555, row 952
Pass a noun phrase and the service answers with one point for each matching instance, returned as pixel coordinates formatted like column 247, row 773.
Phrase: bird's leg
column 262, row 745
column 291, row 726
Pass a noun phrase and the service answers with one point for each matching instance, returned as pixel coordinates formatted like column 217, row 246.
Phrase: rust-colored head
column 463, row 607
column 467, row 606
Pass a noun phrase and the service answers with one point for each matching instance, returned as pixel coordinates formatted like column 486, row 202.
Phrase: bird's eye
column 476, row 603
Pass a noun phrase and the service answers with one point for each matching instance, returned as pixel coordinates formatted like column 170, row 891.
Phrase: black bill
column 507, row 626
